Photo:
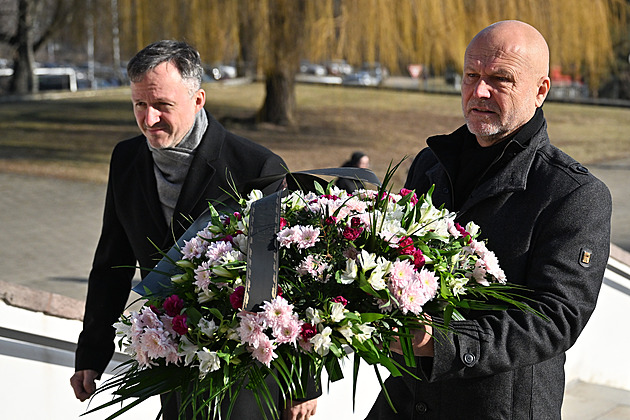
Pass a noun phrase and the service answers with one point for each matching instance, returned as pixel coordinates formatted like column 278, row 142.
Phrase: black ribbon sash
column 262, row 247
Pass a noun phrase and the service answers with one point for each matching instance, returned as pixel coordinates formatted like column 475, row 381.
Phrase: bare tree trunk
column 286, row 18
column 23, row 80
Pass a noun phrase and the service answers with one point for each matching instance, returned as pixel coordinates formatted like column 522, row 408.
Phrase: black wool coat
column 133, row 220
column 547, row 219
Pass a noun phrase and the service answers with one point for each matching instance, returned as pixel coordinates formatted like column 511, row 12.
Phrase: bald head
column 517, row 39
column 506, row 77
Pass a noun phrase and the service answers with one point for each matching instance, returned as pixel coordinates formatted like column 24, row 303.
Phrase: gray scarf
column 171, row 165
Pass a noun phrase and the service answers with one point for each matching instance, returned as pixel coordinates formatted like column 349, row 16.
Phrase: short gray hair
column 183, row 56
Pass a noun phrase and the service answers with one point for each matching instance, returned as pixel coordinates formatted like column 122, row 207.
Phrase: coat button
column 421, row 408
column 469, row 359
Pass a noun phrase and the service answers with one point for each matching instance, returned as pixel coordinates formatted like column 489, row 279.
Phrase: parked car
column 362, row 78
column 307, row 67
column 338, row 67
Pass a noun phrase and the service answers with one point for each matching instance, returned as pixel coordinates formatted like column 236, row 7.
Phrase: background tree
column 269, row 37
column 35, row 22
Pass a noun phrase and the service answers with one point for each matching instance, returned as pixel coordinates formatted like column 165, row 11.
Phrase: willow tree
column 275, row 34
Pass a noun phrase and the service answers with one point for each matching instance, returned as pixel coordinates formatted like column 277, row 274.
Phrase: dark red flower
column 308, row 331
column 236, row 298
column 340, row 299
column 355, row 222
column 418, row 259
column 173, row 305
column 331, row 220
column 283, row 223
column 179, row 324
column 352, row 233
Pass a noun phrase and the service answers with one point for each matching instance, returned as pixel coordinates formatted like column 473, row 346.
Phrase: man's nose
column 482, row 90
column 153, row 116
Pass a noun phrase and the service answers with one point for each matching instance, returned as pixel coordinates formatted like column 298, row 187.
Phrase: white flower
column 322, row 341
column 337, row 311
column 366, row 332
column 472, row 228
column 207, row 327
column 314, row 316
column 122, row 329
column 346, row 331
column 367, row 260
column 187, row 349
column 349, row 275
column 209, row 362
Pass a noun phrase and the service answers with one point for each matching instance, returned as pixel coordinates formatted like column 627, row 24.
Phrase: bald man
column 543, row 214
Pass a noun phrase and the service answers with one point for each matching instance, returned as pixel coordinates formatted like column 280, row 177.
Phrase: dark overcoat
column 133, row 221
column 548, row 221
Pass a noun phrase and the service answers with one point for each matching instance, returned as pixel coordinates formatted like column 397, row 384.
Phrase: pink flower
column 194, row 248
column 173, row 305
column 429, row 283
column 308, row 236
column 312, row 265
column 411, row 298
column 283, row 223
column 202, row 276
column 288, row 330
column 179, row 324
column 236, row 298
column 406, row 246
column 264, row 353
column 414, row 198
column 340, row 299
column 401, row 273
column 276, row 312
column 250, row 329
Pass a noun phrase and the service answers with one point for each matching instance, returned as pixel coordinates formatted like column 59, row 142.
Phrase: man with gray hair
column 158, row 180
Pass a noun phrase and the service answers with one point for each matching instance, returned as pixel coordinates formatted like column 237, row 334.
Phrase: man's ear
column 543, row 89
column 200, row 99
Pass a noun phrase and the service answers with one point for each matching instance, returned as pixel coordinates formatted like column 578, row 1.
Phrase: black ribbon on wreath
column 261, row 281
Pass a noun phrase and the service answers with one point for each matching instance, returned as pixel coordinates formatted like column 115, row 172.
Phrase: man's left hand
column 300, row 410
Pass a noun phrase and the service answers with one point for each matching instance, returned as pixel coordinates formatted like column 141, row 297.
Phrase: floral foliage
column 356, row 271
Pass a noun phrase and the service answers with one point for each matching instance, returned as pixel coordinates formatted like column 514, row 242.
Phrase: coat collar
column 510, row 169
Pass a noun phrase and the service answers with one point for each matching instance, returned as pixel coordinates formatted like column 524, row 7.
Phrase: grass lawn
column 73, row 138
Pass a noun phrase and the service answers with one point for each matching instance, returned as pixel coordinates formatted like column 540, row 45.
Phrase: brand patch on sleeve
column 586, row 255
